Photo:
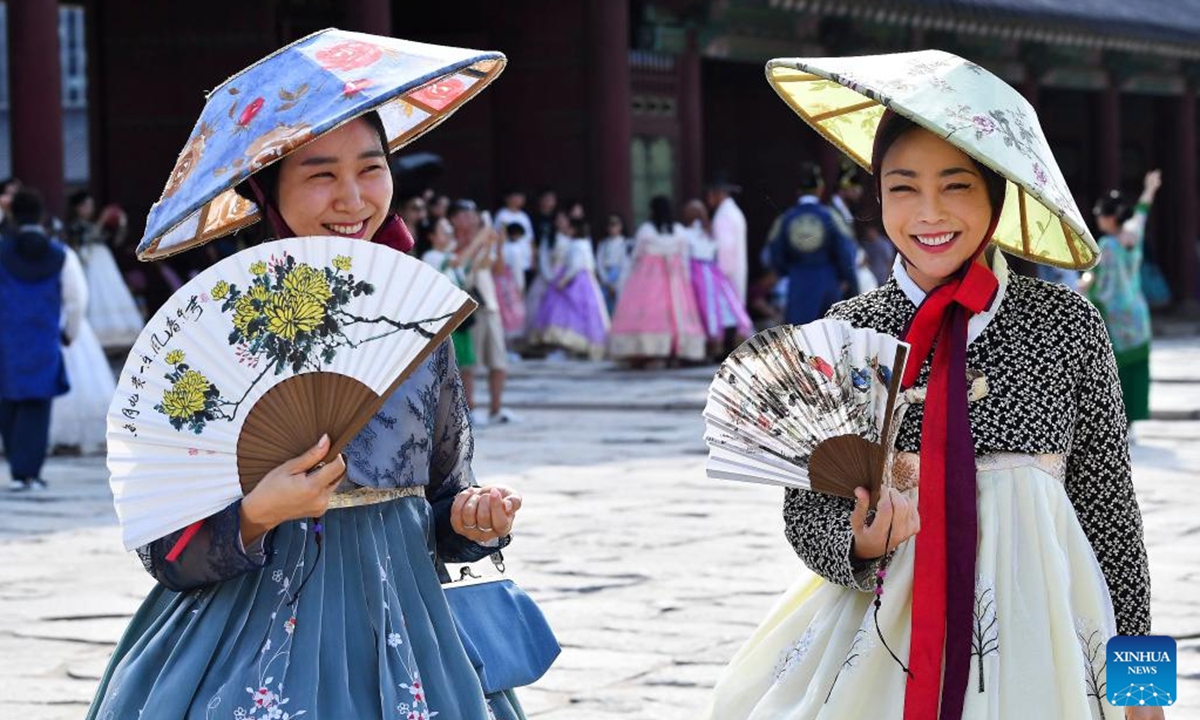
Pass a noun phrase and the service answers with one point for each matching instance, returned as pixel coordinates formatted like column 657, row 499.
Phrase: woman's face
column 614, row 227
column 442, row 235
column 1108, row 224
column 86, row 209
column 562, row 223
column 935, row 205
column 337, row 185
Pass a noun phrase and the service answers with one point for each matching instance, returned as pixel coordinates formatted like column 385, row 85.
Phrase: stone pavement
column 651, row 574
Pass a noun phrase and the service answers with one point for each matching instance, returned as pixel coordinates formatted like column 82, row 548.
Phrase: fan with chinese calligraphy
column 256, row 357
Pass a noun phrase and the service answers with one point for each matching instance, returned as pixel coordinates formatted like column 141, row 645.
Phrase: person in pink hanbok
column 656, row 315
column 510, row 282
column 721, row 310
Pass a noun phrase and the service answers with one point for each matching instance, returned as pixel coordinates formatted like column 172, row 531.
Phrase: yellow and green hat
column 844, row 98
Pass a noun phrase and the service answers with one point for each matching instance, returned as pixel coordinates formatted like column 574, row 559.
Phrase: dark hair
column 268, row 177
column 849, row 177
column 6, row 183
column 580, row 228
column 424, row 239
column 459, row 206
column 660, row 213
column 27, row 207
column 1113, row 205
column 811, row 177
column 74, row 200
column 892, row 126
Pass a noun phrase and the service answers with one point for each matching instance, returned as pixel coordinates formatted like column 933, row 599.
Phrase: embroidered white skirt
column 1042, row 618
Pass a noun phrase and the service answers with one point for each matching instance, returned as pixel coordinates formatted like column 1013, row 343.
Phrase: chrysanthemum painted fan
column 807, row 406
column 252, row 360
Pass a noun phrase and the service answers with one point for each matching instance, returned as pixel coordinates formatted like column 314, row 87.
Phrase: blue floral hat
column 291, row 97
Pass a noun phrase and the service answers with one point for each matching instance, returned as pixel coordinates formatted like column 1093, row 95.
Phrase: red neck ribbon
column 944, row 576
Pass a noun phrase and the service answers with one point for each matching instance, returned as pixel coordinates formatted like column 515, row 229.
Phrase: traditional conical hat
column 844, row 98
column 291, row 97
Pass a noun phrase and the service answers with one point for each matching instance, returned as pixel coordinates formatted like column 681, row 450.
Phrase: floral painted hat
column 844, row 99
column 291, row 97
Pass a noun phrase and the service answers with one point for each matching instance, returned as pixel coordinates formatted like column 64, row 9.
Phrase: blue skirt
column 371, row 635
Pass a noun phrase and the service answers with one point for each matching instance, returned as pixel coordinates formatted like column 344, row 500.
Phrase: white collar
column 809, row 200
column 979, row 321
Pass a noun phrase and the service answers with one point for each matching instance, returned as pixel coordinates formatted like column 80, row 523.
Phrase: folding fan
column 807, row 406
column 252, row 360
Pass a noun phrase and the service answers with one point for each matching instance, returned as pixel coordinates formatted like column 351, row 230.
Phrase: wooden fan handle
column 840, row 464
column 288, row 418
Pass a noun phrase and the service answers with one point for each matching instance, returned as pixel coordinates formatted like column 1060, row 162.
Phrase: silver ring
column 468, row 527
column 483, row 529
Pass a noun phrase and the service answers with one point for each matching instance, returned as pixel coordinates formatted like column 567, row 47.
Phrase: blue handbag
column 503, row 631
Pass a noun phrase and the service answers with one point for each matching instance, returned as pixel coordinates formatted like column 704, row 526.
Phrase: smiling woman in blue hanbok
column 249, row 620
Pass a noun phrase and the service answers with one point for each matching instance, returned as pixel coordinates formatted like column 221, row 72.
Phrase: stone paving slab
column 651, row 574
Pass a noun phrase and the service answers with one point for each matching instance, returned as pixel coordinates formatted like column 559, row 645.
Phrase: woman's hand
column 292, row 490
column 1150, row 185
column 893, row 508
column 1144, row 712
column 481, row 514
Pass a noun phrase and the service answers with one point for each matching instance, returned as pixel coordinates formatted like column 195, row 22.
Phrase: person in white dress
column 77, row 419
column 614, row 257
column 729, row 230
column 112, row 312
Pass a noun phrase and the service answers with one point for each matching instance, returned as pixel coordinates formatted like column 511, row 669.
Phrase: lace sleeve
column 450, row 471
column 214, row 554
column 1099, row 483
column 818, row 527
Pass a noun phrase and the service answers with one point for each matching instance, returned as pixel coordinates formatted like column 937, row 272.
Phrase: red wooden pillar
column 610, row 100
column 369, row 16
column 35, row 81
column 1187, row 200
column 691, row 111
column 1109, row 135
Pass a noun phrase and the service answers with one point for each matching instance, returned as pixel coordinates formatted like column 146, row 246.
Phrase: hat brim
column 199, row 203
column 843, row 99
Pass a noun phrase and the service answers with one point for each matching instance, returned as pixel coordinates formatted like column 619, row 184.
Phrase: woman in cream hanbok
column 1006, row 548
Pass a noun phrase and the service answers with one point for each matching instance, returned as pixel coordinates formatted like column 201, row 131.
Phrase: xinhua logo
column 1141, row 670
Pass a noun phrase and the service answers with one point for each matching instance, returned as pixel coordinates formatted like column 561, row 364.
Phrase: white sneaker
column 558, row 355
column 15, row 485
column 504, row 416
column 479, row 418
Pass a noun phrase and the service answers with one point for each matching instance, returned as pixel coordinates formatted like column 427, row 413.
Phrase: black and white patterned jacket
column 1052, row 388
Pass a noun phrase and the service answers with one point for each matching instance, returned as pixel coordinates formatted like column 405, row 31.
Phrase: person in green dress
column 1116, row 290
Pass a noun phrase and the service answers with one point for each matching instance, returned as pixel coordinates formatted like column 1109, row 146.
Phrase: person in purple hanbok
column 573, row 315
column 721, row 310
